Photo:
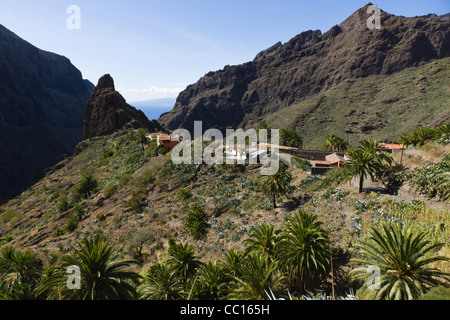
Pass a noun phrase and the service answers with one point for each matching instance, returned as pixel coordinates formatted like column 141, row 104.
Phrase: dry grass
column 421, row 156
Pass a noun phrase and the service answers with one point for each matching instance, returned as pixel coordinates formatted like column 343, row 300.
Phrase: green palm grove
column 293, row 259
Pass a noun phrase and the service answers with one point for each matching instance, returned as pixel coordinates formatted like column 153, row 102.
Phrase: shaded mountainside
column 41, row 111
column 106, row 112
column 309, row 64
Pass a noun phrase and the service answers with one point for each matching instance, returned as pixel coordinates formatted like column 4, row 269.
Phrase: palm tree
column 232, row 261
column 211, row 282
column 256, row 276
column 160, row 283
column 361, row 164
column 263, row 240
column 333, row 142
column 304, row 250
column 141, row 136
column 20, row 274
column 184, row 260
column 405, row 140
column 277, row 184
column 103, row 275
column 291, row 138
column 403, row 258
column 368, row 159
column 421, row 135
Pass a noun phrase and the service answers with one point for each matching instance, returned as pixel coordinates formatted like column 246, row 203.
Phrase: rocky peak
column 105, row 82
column 106, row 112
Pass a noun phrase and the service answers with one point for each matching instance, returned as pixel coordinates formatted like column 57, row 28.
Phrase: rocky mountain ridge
column 310, row 63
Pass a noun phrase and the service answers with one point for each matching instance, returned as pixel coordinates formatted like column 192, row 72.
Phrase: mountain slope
column 41, row 111
column 378, row 106
column 285, row 74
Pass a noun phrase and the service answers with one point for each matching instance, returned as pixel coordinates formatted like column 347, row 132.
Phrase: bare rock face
column 41, row 112
column 310, row 63
column 106, row 112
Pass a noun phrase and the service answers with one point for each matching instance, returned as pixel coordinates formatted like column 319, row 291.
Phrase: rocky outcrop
column 41, row 111
column 241, row 96
column 106, row 112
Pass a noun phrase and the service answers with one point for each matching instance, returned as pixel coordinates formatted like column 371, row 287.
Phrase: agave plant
column 404, row 259
column 444, row 185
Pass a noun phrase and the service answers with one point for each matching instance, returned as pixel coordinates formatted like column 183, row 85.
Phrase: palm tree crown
column 304, row 249
column 103, row 274
column 404, row 258
column 277, row 184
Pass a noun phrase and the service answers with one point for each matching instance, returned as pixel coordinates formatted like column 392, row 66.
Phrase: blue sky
column 154, row 49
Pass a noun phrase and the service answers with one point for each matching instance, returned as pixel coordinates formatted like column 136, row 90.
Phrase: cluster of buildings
column 321, row 160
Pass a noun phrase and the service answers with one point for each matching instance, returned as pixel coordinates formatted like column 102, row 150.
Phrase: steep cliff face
column 310, row 63
column 106, row 112
column 41, row 111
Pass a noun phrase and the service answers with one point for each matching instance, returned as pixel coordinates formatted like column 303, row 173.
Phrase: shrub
column 86, row 186
column 184, row 194
column 107, row 153
column 437, row 293
column 123, row 181
column 109, row 190
column 136, row 202
column 101, row 217
column 144, row 179
column 79, row 211
column 196, row 222
column 72, row 224
column 427, row 180
column 63, row 205
column 57, row 233
column 300, row 163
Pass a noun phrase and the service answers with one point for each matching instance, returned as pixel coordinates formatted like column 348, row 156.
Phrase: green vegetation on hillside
column 212, row 231
column 373, row 106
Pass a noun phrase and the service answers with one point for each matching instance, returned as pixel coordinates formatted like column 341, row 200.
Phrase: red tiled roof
column 393, row 146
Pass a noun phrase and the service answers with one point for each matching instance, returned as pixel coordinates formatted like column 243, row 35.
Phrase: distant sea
column 153, row 109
